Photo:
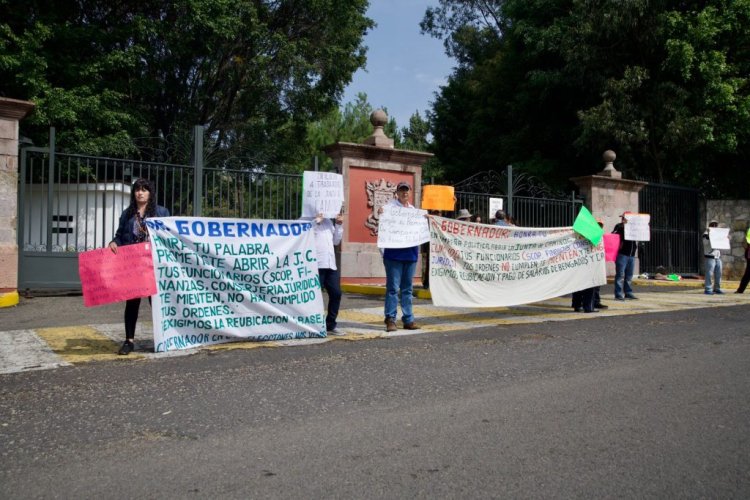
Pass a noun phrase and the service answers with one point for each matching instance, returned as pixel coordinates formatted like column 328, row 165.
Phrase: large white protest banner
column 219, row 280
column 402, row 227
column 478, row 265
column 719, row 238
column 322, row 192
column 637, row 227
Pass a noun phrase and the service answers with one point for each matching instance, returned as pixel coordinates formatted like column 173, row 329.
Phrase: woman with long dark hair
column 132, row 229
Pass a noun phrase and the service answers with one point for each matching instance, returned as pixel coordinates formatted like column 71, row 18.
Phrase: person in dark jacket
column 745, row 277
column 132, row 229
column 625, row 262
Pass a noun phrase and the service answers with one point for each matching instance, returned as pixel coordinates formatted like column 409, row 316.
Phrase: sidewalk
column 50, row 332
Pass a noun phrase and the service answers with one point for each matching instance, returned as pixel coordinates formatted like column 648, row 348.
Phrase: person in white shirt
column 327, row 234
column 712, row 259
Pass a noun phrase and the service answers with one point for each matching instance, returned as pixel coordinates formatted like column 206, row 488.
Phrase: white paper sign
column 401, row 227
column 219, row 280
column 637, row 227
column 495, row 205
column 323, row 192
column 719, row 238
column 477, row 265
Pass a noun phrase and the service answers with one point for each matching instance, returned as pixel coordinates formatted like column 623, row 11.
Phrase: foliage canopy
column 115, row 75
column 548, row 85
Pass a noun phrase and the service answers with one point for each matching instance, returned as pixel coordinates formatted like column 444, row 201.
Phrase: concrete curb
column 9, row 299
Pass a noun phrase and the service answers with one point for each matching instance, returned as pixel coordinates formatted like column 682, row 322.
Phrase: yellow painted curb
column 420, row 293
column 9, row 299
column 363, row 289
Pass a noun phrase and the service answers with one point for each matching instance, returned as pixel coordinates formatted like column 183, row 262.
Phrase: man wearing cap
column 712, row 260
column 400, row 264
column 625, row 262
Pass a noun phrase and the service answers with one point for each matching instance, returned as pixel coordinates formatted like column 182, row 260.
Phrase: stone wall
column 734, row 214
column 11, row 111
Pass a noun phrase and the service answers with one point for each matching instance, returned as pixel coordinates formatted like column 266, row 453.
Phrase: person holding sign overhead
column 400, row 264
column 625, row 262
column 327, row 235
column 712, row 260
column 132, row 229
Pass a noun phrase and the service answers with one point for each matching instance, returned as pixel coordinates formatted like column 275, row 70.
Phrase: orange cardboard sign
column 438, row 197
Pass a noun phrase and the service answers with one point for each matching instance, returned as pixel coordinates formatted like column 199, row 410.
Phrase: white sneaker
column 335, row 332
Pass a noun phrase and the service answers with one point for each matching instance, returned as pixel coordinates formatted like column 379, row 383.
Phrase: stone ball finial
column 609, row 165
column 378, row 118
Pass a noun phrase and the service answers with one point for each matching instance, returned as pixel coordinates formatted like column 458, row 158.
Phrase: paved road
column 597, row 406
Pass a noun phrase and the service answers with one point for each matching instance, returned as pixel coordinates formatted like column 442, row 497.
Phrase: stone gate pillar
column 371, row 172
column 11, row 112
column 607, row 195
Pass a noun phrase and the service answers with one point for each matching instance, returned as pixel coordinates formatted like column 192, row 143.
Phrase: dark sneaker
column 720, row 292
column 390, row 325
column 619, row 298
column 578, row 309
column 601, row 306
column 591, row 310
column 411, row 326
column 127, row 348
column 631, row 297
column 708, row 292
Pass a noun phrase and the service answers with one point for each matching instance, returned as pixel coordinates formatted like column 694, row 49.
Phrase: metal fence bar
column 675, row 245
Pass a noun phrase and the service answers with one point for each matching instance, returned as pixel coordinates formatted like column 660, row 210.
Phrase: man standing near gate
column 625, row 262
column 712, row 258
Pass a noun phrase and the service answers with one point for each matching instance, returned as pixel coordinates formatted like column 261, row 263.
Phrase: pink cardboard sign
column 611, row 245
column 107, row 277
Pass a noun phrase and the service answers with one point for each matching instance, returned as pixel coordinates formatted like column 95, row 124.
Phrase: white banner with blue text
column 220, row 280
column 480, row 265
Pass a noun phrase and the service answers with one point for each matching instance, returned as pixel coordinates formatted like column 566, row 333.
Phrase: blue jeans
column 713, row 267
column 624, row 266
column 398, row 278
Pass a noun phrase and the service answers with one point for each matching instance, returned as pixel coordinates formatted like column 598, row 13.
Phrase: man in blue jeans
column 625, row 262
column 400, row 264
column 712, row 258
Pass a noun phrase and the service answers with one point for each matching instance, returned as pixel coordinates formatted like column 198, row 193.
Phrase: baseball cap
column 403, row 185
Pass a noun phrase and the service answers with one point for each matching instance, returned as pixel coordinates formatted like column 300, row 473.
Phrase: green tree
column 549, row 84
column 253, row 72
column 348, row 124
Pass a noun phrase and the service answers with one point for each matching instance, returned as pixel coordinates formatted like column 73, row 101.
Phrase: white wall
column 84, row 216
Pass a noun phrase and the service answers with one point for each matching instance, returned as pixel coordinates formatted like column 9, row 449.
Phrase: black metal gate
column 70, row 203
column 675, row 245
column 529, row 201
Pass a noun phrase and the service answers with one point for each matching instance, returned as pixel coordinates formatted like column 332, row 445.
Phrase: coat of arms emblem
column 379, row 193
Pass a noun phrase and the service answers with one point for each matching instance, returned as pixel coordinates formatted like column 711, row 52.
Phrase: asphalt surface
column 632, row 405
